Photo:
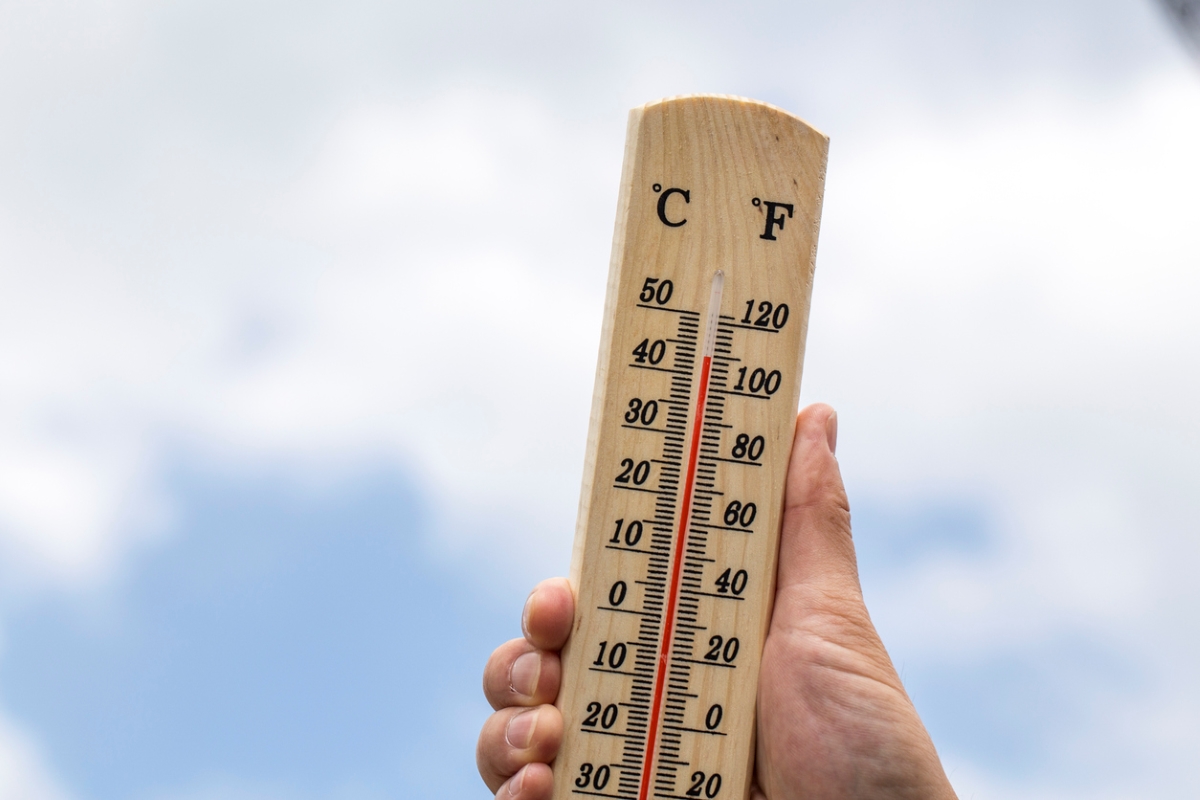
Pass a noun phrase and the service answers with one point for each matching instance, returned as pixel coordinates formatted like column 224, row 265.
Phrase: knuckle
column 514, row 737
column 486, row 752
column 497, row 678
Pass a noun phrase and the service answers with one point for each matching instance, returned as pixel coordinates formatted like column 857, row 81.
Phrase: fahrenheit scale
column 692, row 423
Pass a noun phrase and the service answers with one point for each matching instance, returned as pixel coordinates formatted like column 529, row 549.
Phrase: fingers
column 521, row 672
column 549, row 614
column 520, row 680
column 816, row 549
column 532, row 782
column 515, row 737
column 518, row 674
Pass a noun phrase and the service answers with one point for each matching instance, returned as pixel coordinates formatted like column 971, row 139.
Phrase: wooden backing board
column 709, row 183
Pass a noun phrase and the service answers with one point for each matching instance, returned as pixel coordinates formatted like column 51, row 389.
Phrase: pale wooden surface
column 725, row 152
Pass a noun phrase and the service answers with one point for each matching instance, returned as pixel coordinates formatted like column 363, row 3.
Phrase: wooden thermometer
column 691, row 428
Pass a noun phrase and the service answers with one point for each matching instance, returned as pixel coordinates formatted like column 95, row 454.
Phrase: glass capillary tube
column 714, row 313
column 711, row 324
column 685, row 523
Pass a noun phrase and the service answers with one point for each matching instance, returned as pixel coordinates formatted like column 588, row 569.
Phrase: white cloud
column 430, row 319
column 1004, row 311
column 23, row 772
column 1023, row 301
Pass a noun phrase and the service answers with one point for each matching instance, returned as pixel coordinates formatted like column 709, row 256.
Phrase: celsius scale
column 691, row 430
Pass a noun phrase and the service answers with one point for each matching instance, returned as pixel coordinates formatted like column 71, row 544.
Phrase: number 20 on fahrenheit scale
column 692, row 423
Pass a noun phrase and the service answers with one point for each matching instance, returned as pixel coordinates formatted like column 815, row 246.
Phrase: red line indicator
column 685, row 513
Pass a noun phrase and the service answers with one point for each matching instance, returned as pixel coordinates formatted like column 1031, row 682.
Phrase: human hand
column 834, row 720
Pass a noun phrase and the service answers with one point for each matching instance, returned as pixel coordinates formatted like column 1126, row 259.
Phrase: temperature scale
column 691, row 429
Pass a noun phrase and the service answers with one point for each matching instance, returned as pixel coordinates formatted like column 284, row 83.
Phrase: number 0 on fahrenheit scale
column 692, row 424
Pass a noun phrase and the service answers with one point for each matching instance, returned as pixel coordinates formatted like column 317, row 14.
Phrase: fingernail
column 524, row 673
column 831, row 432
column 525, row 613
column 519, row 732
column 516, row 782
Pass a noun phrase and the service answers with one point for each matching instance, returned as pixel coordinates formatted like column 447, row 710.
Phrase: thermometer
column 691, row 429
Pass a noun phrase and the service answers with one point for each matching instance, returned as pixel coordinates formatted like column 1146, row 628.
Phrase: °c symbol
column 662, row 204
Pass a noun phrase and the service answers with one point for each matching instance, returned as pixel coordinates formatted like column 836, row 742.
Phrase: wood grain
column 709, row 183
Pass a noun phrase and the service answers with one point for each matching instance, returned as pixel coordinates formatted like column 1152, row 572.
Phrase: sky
column 299, row 311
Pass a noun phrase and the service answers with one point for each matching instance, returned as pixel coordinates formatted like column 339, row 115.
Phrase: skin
column 834, row 720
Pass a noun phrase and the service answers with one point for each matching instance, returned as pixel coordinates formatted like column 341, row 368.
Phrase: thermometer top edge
column 730, row 100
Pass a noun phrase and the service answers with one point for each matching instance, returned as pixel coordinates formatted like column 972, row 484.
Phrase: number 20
column 711, row 787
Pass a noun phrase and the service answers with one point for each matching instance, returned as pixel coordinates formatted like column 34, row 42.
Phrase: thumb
column 816, row 551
